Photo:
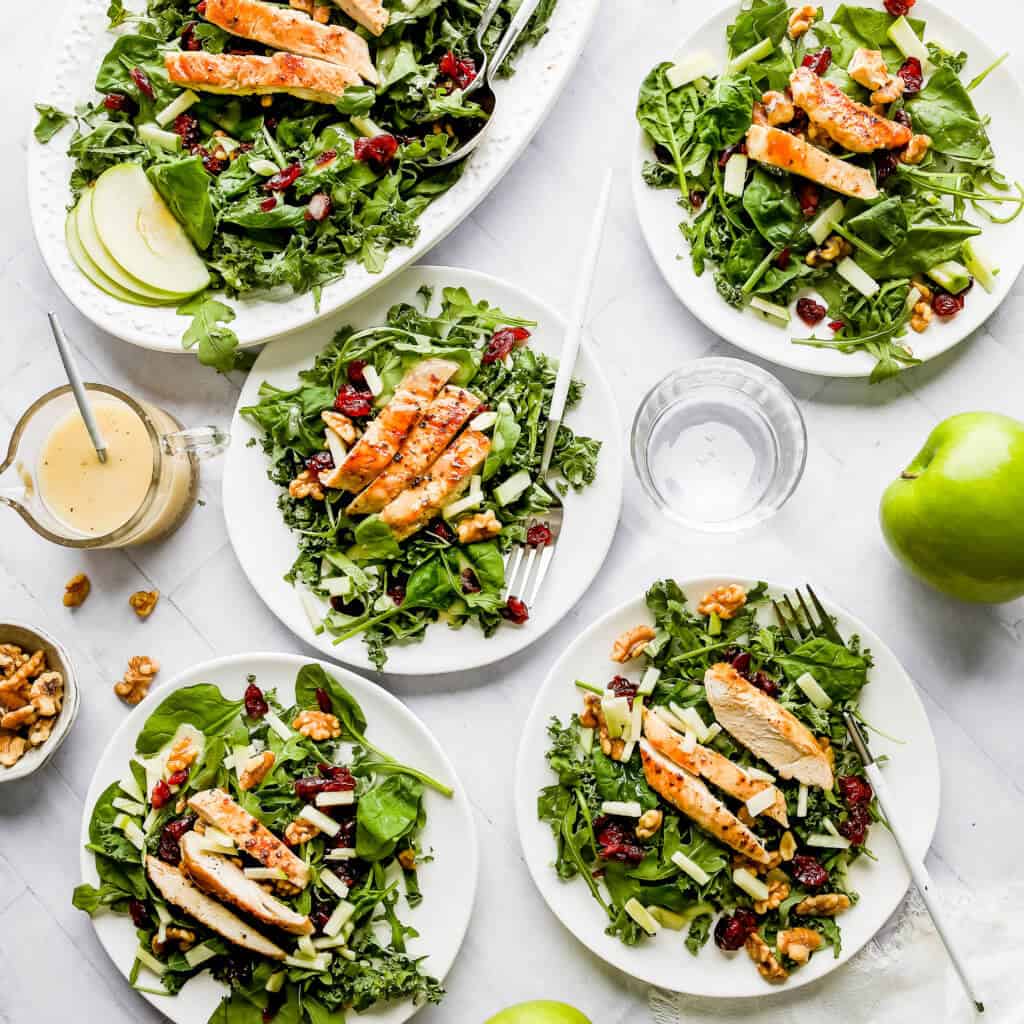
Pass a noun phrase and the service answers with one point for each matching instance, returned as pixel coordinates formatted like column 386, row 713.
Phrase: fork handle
column 511, row 36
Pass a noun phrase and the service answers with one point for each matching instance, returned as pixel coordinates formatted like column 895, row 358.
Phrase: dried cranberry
column 836, row 325
column 818, row 62
column 623, row 687
column 319, row 208
column 119, row 101
column 320, row 914
column 503, row 341
column 782, row 260
column 515, row 611
column 142, row 82
column 379, row 150
column 268, row 204
column 946, row 305
column 324, row 702
column 354, row 607
column 187, row 126
column 460, row 71
column 886, row 163
column 337, row 773
column 903, row 118
column 189, row 39
column 808, row 195
column 897, row 8
column 616, row 840
column 741, row 662
column 810, row 312
column 856, row 824
column 139, row 913
column 441, row 530
column 201, row 6
column 353, row 402
column 663, row 154
column 256, row 705
column 354, row 370
column 732, row 930
column 723, row 157
column 351, row 871
column 160, row 795
column 320, row 462
column 912, row 75
column 470, row 583
column 283, row 179
column 169, row 847
column 697, row 197
column 213, row 164
column 396, row 591
column 854, row 790
column 178, row 778
column 765, row 683
column 311, row 787
column 539, row 535
column 326, row 157
column 808, row 871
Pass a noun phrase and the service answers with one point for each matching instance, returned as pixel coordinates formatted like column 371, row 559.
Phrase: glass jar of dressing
column 143, row 491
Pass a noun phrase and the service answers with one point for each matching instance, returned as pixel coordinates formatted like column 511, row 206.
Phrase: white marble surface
column 967, row 661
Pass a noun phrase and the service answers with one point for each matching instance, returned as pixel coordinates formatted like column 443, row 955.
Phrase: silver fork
column 798, row 624
column 521, row 577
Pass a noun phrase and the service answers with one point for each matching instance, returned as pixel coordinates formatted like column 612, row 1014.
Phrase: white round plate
column 889, row 701
column 266, row 547
column 523, row 102
column 448, row 882
column 1000, row 96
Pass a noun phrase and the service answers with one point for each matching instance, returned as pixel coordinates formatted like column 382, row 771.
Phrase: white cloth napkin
column 903, row 976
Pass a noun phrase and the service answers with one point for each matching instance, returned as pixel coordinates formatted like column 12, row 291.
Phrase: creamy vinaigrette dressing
column 86, row 495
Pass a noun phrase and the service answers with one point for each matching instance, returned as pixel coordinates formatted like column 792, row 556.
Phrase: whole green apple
column 541, row 1012
column 955, row 517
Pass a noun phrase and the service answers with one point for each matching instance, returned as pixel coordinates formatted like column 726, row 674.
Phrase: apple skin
column 955, row 518
column 541, row 1012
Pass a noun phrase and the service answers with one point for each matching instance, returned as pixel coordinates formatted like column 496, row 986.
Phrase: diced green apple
column 952, row 276
column 908, row 43
column 980, row 266
column 688, row 69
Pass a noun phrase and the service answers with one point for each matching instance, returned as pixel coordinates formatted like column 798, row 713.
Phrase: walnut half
column 317, row 725
column 629, row 644
column 725, row 602
column 143, row 602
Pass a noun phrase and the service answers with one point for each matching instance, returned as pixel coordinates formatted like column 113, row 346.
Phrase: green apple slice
column 85, row 226
column 141, row 234
column 92, row 272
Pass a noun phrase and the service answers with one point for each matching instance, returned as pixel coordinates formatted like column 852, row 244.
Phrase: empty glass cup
column 145, row 490
column 719, row 445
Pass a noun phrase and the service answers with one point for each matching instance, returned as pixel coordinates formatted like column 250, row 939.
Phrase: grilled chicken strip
column 854, row 126
column 225, row 880
column 376, row 449
column 443, row 419
column 766, row 728
column 177, row 889
column 711, row 765
column 285, row 29
column 216, row 808
column 687, row 793
column 305, row 77
column 777, row 148
column 370, row 14
column 415, row 507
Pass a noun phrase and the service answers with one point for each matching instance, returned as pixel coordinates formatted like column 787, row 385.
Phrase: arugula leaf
column 215, row 344
column 51, row 121
column 839, row 672
column 202, row 705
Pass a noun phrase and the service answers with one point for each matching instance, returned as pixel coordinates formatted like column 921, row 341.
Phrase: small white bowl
column 30, row 639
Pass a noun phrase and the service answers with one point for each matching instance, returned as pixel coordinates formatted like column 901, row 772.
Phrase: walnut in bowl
column 38, row 699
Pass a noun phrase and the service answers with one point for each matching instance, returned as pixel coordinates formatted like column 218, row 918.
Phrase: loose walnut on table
column 143, row 602
column 137, row 680
column 76, row 590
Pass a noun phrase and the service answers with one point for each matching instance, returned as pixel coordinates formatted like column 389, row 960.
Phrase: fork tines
column 526, row 565
column 799, row 624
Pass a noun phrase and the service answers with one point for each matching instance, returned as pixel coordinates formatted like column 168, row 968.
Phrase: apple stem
column 907, row 475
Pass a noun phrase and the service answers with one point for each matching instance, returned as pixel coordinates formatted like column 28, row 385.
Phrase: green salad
column 275, row 193
column 357, row 573
column 664, row 808
column 238, row 844
column 837, row 161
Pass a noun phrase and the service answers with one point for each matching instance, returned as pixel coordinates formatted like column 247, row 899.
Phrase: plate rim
column 613, row 437
column 525, row 802
column 187, row 677
column 729, row 329
column 575, row 18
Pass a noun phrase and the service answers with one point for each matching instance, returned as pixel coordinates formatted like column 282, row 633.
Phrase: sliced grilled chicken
column 370, row 14
column 711, row 765
column 415, row 507
column 235, row 75
column 177, row 889
column 854, row 126
column 376, row 449
column 216, row 808
column 443, row 419
column 766, row 728
column 687, row 793
column 778, row 148
column 226, row 881
column 285, row 29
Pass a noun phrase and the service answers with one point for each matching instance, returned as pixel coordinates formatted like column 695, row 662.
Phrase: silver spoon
column 77, row 387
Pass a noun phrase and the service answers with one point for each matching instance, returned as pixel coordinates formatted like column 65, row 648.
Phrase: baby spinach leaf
column 667, row 115
column 313, row 677
column 943, row 109
column 728, row 111
column 852, row 27
column 757, row 20
column 249, row 213
column 374, row 539
column 184, row 186
column 775, row 210
column 925, row 244
column 202, row 706
column 385, row 813
column 430, row 586
column 504, row 439
column 883, row 225
column 839, row 672
column 103, row 837
column 623, row 781
column 487, row 563
column 704, row 852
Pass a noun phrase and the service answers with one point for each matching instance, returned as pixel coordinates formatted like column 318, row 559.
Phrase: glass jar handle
column 202, row 442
